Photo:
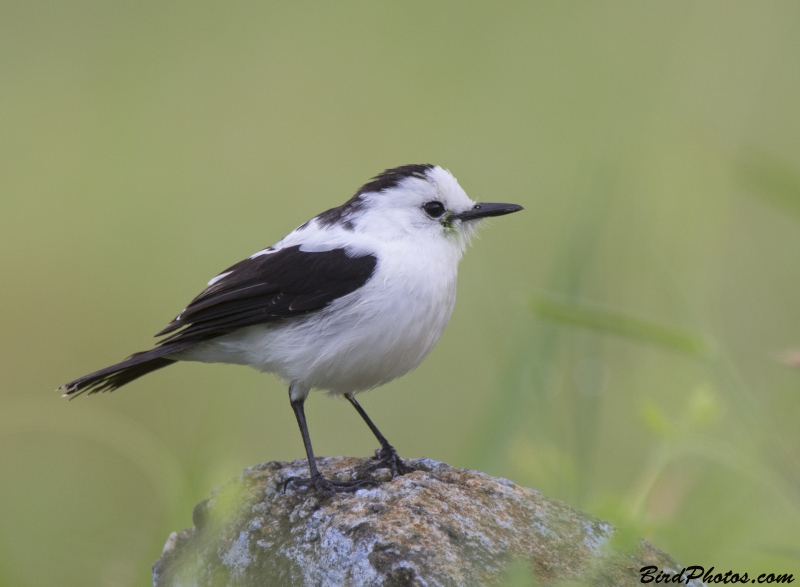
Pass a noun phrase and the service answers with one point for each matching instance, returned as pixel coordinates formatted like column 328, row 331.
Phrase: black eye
column 434, row 209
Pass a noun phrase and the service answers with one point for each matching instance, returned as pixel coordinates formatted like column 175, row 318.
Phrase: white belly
column 365, row 339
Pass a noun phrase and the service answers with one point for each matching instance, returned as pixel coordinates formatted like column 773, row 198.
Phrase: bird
column 348, row 301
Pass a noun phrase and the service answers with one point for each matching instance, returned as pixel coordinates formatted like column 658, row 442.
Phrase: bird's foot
column 387, row 458
column 327, row 487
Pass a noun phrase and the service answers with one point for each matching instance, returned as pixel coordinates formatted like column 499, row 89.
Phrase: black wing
column 267, row 288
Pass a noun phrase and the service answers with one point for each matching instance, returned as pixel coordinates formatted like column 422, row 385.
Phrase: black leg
column 387, row 456
column 324, row 486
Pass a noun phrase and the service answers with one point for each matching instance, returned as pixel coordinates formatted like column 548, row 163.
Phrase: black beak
column 485, row 210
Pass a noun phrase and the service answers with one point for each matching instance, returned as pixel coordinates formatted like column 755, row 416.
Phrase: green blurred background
column 620, row 345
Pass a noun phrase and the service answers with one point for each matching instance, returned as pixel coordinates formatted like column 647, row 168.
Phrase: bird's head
column 421, row 202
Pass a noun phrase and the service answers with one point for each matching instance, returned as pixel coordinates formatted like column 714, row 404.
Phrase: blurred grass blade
column 786, row 552
column 772, row 180
column 524, row 399
column 593, row 317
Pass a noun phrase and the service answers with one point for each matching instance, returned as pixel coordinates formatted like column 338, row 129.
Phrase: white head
column 420, row 202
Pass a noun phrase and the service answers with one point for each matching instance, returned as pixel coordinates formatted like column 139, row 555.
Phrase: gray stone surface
column 438, row 526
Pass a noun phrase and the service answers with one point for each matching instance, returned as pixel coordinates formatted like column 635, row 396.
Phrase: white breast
column 365, row 339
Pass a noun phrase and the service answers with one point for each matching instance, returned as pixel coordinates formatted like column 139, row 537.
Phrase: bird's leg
column 387, row 456
column 324, row 486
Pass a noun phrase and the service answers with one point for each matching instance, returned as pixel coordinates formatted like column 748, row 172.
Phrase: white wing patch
column 314, row 238
column 218, row 277
column 266, row 251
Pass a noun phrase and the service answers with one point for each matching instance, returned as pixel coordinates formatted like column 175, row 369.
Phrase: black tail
column 115, row 376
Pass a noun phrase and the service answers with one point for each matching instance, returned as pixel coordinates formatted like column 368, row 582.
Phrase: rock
column 437, row 526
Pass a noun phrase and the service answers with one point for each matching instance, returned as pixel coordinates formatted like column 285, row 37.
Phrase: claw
column 387, row 458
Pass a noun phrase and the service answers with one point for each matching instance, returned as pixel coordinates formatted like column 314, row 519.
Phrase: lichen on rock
column 437, row 526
